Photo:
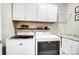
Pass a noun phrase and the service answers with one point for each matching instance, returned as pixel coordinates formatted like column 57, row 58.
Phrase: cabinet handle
column 61, row 42
column 0, row 42
column 20, row 44
column 63, row 52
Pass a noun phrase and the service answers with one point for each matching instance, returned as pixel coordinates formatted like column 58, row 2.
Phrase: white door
column 66, row 46
column 52, row 13
column 31, row 9
column 42, row 12
column 18, row 11
column 20, row 47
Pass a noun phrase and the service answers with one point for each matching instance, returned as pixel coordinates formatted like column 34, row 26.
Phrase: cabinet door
column 52, row 13
column 42, row 12
column 19, row 11
column 31, row 9
column 66, row 46
column 20, row 47
column 75, row 48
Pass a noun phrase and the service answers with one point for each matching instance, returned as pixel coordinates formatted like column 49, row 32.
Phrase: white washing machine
column 21, row 44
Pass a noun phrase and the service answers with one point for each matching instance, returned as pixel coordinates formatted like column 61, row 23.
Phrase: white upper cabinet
column 31, row 11
column 47, row 12
column 52, row 13
column 35, row 12
column 19, row 11
column 42, row 12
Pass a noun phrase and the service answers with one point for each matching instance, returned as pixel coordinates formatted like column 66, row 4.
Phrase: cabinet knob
column 20, row 44
column 63, row 52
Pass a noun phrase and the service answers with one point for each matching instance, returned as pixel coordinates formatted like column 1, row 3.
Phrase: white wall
column 72, row 26
column 7, row 25
column 61, row 27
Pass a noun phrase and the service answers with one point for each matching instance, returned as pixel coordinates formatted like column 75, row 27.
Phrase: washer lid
column 22, row 37
column 43, row 33
column 25, row 33
column 46, row 35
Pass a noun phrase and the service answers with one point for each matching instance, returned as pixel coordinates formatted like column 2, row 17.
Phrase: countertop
column 70, row 36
